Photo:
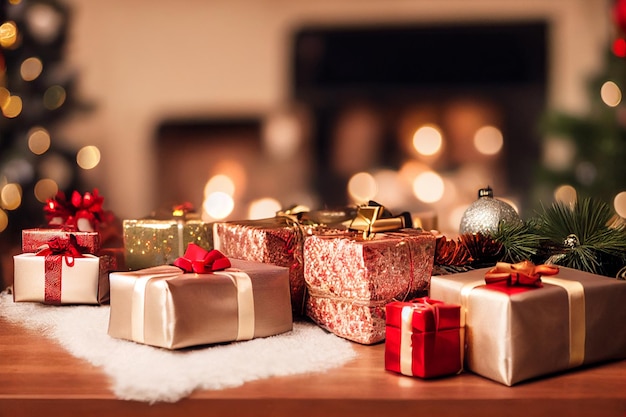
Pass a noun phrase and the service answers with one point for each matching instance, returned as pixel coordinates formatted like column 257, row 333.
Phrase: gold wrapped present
column 167, row 307
column 516, row 332
column 159, row 241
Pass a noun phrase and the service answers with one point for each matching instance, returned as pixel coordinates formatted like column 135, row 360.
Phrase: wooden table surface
column 39, row 378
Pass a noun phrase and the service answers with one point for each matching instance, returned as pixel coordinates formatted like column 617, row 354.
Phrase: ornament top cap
column 485, row 192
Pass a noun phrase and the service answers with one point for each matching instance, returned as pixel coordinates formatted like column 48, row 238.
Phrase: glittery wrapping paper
column 33, row 239
column 150, row 242
column 351, row 279
column 276, row 241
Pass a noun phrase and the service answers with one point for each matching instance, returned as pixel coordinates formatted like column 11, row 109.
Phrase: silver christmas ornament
column 485, row 214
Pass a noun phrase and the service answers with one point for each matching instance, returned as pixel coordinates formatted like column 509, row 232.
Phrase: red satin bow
column 523, row 273
column 69, row 248
column 198, row 260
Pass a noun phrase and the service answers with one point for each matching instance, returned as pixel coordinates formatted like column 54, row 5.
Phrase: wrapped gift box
column 276, row 241
column 424, row 338
column 56, row 279
column 166, row 307
column 350, row 279
column 518, row 333
column 34, row 239
column 152, row 242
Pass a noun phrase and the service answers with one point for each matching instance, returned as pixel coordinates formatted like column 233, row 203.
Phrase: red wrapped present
column 200, row 301
column 60, row 274
column 34, row 239
column 424, row 338
column 530, row 321
column 276, row 241
column 350, row 278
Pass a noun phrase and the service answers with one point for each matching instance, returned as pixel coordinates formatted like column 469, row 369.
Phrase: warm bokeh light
column 611, row 94
column 263, row 208
column 427, row 140
column 12, row 107
column 88, row 157
column 5, row 95
column 619, row 203
column 38, row 140
column 428, row 187
column 218, row 205
column 31, row 68
column 362, row 187
column 54, row 97
column 282, row 136
column 220, row 182
column 56, row 168
column 4, row 220
column 389, row 188
column 565, row 194
column 235, row 171
column 488, row 140
column 11, row 196
column 8, row 34
column 558, row 154
column 44, row 189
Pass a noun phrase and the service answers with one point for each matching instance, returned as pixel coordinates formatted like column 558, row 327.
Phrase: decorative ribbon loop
column 373, row 218
column 197, row 259
column 523, row 273
column 69, row 248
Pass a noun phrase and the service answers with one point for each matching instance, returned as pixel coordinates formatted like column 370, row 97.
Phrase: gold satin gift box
column 576, row 318
column 165, row 307
column 152, row 242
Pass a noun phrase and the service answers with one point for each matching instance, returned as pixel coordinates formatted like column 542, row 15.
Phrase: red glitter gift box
column 276, row 241
column 350, row 278
column 424, row 338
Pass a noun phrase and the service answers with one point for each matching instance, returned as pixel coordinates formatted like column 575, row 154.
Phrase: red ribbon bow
column 197, row 259
column 79, row 209
column 68, row 247
column 523, row 273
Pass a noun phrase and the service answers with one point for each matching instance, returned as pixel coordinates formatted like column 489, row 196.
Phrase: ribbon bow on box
column 373, row 218
column 523, row 273
column 68, row 247
column 197, row 259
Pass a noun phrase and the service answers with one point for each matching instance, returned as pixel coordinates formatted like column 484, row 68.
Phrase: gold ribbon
column 241, row 281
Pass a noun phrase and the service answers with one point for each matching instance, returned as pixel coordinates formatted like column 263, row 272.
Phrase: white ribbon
column 245, row 302
column 406, row 344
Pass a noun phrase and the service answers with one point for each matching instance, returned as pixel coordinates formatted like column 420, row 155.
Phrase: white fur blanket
column 145, row 373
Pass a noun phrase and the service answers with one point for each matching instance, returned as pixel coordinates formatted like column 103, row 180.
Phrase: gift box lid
column 428, row 315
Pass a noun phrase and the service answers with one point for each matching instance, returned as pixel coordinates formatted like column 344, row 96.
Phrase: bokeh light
column 428, row 187
column 565, row 194
column 8, row 34
column 218, row 205
column 389, row 188
column 54, row 97
column 282, row 135
column 11, row 196
column 31, row 68
column 5, row 95
column 44, row 189
column 235, row 171
column 619, row 203
column 427, row 140
column 12, row 107
column 38, row 140
column 263, row 208
column 611, row 94
column 220, row 182
column 88, row 157
column 558, row 154
column 362, row 187
column 4, row 220
column 488, row 140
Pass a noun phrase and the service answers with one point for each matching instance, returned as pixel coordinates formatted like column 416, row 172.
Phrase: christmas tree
column 36, row 95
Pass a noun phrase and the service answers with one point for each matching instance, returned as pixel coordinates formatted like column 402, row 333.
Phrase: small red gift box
column 34, row 239
column 423, row 338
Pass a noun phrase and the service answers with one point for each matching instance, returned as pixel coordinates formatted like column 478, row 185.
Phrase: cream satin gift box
column 62, row 280
column 575, row 318
column 166, row 307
